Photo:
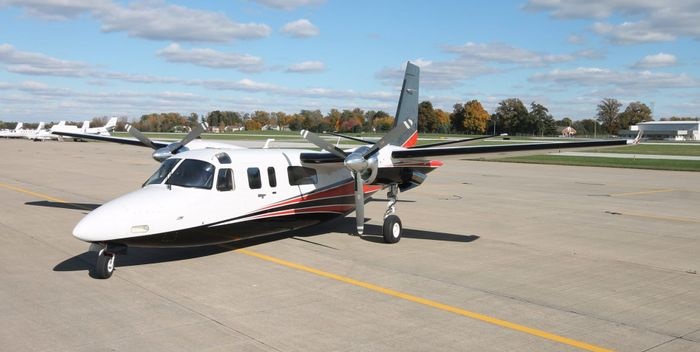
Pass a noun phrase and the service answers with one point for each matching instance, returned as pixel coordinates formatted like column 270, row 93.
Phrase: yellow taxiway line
column 383, row 290
column 427, row 302
column 641, row 192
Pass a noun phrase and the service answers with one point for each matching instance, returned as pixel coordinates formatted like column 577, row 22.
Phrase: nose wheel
column 106, row 253
column 105, row 264
column 391, row 229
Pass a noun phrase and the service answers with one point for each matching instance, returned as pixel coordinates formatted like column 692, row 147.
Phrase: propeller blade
column 393, row 135
column 359, row 203
column 140, row 136
column 321, row 143
column 194, row 133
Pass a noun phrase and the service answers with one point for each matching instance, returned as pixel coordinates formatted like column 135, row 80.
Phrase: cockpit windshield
column 192, row 173
column 162, row 172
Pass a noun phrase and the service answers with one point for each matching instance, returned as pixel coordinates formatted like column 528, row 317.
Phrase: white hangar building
column 669, row 130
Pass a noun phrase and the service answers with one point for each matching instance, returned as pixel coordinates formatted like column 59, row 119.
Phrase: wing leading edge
column 489, row 149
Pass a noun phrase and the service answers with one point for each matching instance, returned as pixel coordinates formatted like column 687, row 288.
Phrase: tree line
column 510, row 116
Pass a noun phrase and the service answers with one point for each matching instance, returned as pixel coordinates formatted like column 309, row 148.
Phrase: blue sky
column 77, row 60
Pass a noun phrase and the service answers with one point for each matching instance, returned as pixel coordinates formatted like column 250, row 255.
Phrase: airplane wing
column 129, row 141
column 418, row 153
column 499, row 148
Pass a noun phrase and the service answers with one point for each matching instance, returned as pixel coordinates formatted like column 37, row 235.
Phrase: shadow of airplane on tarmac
column 61, row 205
column 141, row 256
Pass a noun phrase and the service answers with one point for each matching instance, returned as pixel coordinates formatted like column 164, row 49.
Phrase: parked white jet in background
column 85, row 129
column 41, row 134
column 18, row 132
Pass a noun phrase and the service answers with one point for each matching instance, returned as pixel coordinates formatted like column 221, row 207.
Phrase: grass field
column 653, row 164
column 655, row 149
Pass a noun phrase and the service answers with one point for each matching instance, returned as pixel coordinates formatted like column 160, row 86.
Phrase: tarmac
column 494, row 257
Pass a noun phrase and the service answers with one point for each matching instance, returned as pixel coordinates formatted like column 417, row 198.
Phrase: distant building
column 666, row 130
column 568, row 132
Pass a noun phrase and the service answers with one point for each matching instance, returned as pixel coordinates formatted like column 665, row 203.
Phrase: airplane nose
column 91, row 228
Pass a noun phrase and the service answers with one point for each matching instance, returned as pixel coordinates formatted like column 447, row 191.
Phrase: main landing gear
column 391, row 230
column 106, row 254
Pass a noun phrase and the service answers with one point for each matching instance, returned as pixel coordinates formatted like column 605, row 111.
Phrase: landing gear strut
column 391, row 230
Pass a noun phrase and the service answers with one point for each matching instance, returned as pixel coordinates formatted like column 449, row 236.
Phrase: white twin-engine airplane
column 214, row 193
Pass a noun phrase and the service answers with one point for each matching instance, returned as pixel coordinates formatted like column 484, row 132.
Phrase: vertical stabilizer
column 408, row 106
column 111, row 124
column 19, row 126
column 40, row 127
column 86, row 125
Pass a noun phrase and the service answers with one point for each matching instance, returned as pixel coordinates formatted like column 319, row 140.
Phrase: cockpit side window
column 224, row 182
column 192, row 173
column 162, row 172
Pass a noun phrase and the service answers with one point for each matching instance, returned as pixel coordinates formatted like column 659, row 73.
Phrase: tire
column 392, row 229
column 105, row 265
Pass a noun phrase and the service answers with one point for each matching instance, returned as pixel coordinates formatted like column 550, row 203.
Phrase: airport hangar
column 666, row 130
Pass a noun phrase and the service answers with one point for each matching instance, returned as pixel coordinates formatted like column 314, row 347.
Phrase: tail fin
column 40, row 127
column 85, row 126
column 408, row 106
column 111, row 124
column 19, row 126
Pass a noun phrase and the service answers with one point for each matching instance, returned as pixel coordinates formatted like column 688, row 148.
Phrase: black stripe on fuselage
column 207, row 235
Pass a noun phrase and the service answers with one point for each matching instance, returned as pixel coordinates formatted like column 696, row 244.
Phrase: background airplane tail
column 19, row 126
column 111, row 124
column 40, row 127
column 408, row 106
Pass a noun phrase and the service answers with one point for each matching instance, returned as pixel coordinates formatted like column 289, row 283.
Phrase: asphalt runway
column 495, row 257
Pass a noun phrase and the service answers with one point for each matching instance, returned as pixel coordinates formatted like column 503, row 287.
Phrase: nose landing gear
column 106, row 255
column 105, row 265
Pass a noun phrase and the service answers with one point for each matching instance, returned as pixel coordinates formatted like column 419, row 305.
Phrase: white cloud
column 506, row 54
column 628, row 80
column 646, row 20
column 307, row 67
column 288, row 4
column 631, row 33
column 31, row 63
column 211, row 58
column 658, row 60
column 154, row 20
column 302, row 28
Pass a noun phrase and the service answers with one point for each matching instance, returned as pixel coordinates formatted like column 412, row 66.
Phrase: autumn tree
column 635, row 113
column 442, row 121
column 476, row 119
column 608, row 111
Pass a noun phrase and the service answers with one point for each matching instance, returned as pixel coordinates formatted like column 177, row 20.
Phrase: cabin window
column 192, row 173
column 224, row 182
column 300, row 175
column 223, row 158
column 162, row 172
column 254, row 181
column 272, row 177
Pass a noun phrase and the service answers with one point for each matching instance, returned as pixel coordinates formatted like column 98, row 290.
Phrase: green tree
column 457, row 117
column 608, row 111
column 543, row 119
column 513, row 117
column 427, row 119
column 635, row 113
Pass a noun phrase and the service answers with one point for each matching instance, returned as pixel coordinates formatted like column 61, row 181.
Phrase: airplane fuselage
column 209, row 196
